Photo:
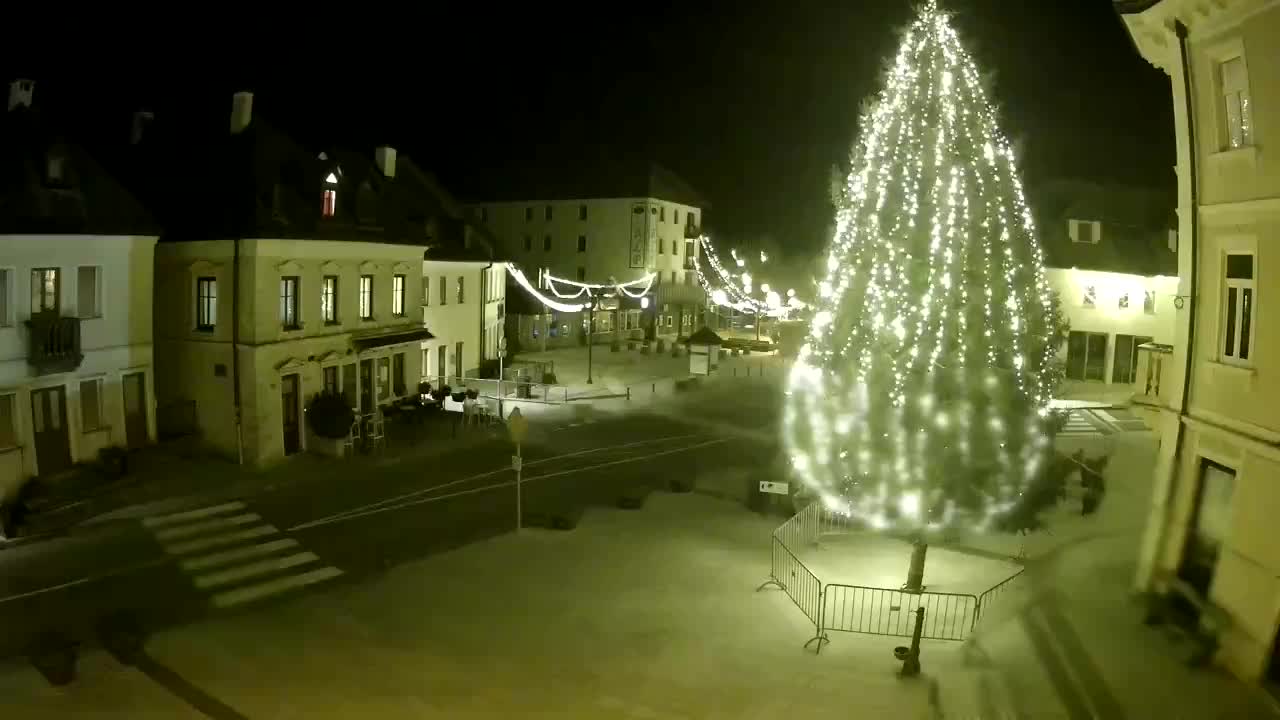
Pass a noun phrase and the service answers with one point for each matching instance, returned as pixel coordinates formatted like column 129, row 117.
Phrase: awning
column 367, row 342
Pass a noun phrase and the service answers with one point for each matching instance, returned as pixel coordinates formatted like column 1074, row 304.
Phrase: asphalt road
column 273, row 545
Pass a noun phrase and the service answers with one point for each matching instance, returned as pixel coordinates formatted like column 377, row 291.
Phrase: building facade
column 75, row 305
column 1213, row 510
column 601, row 226
column 1111, row 257
column 463, row 308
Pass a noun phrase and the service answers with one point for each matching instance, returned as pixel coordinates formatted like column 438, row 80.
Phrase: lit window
column 366, row 297
column 1090, row 298
column 1237, row 108
column 1237, row 308
column 461, row 289
column 206, row 303
column 46, row 284
column 329, row 203
column 329, row 299
column 289, row 302
column 397, row 295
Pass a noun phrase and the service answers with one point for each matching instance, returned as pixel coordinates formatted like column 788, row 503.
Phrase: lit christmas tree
column 920, row 401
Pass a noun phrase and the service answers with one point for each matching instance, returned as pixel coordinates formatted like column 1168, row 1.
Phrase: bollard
column 653, row 388
column 628, row 392
column 911, row 657
column 735, row 371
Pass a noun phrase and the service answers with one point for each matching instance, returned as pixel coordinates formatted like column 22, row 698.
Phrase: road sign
column 517, row 425
column 776, row 488
column 516, row 463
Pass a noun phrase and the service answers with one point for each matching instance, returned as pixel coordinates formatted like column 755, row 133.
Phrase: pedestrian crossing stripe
column 234, row 555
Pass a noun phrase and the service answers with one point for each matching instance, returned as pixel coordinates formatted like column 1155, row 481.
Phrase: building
column 1111, row 256
column 305, row 277
column 75, row 303
column 600, row 221
column 1214, row 509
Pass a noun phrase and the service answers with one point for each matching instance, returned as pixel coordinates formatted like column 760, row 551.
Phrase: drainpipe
column 235, row 349
column 1193, row 184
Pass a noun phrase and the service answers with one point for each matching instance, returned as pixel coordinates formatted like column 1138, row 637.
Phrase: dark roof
column 595, row 174
column 1131, row 7
column 704, row 336
column 1135, row 226
column 454, row 235
column 83, row 198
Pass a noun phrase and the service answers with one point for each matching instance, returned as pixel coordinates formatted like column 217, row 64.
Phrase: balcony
column 55, row 343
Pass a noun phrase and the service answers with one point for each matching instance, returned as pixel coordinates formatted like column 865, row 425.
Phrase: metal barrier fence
column 991, row 597
column 512, row 389
column 879, row 611
column 800, row 584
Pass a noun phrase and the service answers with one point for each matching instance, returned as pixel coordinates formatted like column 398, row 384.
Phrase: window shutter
column 1233, row 75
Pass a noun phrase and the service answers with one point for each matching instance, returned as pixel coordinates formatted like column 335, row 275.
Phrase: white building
column 606, row 223
column 462, row 307
column 1214, row 509
column 75, row 306
column 1111, row 256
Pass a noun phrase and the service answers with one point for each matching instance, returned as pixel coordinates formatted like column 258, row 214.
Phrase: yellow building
column 1217, row 494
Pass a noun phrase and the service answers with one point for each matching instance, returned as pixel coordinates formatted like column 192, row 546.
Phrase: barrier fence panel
column 802, row 528
column 878, row 611
column 800, row 584
column 996, row 596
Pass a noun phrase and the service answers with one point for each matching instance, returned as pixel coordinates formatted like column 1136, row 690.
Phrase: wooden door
column 49, row 427
column 135, row 410
column 289, row 414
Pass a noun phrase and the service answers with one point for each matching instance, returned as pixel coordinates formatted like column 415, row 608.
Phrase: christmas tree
column 919, row 403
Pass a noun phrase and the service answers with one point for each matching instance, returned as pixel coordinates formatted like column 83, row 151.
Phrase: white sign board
column 515, row 463
column 517, row 425
column 776, row 488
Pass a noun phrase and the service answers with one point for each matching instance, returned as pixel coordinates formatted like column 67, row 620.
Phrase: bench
column 1186, row 614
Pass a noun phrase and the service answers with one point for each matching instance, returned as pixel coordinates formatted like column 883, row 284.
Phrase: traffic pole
column 519, row 469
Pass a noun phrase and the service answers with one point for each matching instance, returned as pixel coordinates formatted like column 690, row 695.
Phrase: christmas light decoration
column 587, row 290
column 919, row 401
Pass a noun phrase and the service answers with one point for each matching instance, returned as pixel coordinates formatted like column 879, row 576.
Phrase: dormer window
column 1085, row 231
column 329, row 200
column 55, row 169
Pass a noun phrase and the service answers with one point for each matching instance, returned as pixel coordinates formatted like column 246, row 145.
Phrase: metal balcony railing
column 54, row 343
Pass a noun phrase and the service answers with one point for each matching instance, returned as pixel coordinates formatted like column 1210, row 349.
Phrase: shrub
column 662, row 345
column 472, row 393
column 488, row 369
column 424, row 388
column 330, row 416
column 549, row 378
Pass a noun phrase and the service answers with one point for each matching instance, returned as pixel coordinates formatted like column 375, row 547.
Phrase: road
column 270, row 546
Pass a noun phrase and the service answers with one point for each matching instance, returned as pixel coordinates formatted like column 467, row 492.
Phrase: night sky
column 751, row 102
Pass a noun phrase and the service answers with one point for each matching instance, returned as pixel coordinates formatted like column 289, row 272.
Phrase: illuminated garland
column 588, row 289
column 919, row 400
column 726, row 292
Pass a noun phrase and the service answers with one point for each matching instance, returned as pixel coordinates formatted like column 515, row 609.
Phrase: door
column 49, row 426
column 440, row 365
column 458, row 366
column 366, row 387
column 289, row 414
column 135, row 410
column 1124, row 366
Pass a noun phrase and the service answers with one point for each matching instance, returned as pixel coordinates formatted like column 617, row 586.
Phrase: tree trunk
column 915, row 574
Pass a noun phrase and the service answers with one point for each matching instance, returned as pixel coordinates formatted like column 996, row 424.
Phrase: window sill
column 367, row 319
column 201, row 329
column 1249, row 152
column 291, row 328
column 100, row 428
column 1232, row 368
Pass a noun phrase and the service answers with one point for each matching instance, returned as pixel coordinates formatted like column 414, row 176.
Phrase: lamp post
column 591, row 321
column 502, row 353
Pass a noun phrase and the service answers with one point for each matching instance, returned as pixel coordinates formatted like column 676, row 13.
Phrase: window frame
column 364, row 296
column 97, row 292
column 99, row 410
column 1231, row 330
column 1095, row 228
column 206, row 305
column 426, row 291
column 7, row 281
column 1089, row 298
column 1244, row 101
column 582, row 212
column 546, row 243
column 444, row 290
column 1149, row 302
column 398, row 303
column 329, row 299
column 14, row 426
column 582, row 243
column 290, row 317
column 57, row 289
column 461, row 289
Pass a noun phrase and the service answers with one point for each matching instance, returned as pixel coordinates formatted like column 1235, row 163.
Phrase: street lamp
column 591, row 321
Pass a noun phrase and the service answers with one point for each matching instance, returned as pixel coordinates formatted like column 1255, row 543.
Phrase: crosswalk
column 234, row 556
column 1098, row 422
column 1082, row 423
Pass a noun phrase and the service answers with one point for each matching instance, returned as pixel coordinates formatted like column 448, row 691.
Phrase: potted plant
column 330, row 417
column 113, row 462
column 472, row 394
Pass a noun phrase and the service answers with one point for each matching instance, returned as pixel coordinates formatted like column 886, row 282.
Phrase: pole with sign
column 517, row 425
column 502, row 353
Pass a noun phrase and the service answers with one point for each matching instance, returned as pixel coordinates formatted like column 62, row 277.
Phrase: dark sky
column 750, row 101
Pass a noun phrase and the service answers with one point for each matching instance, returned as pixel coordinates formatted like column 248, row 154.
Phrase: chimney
column 241, row 111
column 20, row 91
column 141, row 120
column 385, row 157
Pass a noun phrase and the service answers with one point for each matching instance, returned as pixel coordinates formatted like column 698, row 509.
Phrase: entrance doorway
column 135, row 410
column 49, row 426
column 366, row 387
column 289, row 414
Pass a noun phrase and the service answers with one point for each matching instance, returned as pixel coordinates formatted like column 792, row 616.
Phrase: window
column 1237, row 306
column 1237, row 108
column 582, row 243
column 54, row 169
column 546, row 213
column 484, row 214
column 8, row 420
column 366, row 297
column 662, row 248
column 1085, row 231
column 582, row 274
column 384, row 378
column 91, row 405
column 289, row 302
column 528, row 243
column 329, row 379
column 675, row 216
column 458, row 366
column 426, row 291
column 329, row 203
column 1210, row 523
column 88, row 289
column 546, row 243
column 397, row 374
column 397, row 295
column 1090, row 297
column 6, row 285
column 662, row 214
column 462, row 295
column 206, row 303
column 1123, row 302
column 692, row 219
column 582, row 212
column 329, row 299
column 1086, row 355
column 349, row 383
column 675, row 247
column 444, row 290
column 1149, row 302
column 528, row 214
column 46, row 287
column 1124, row 366
column 673, row 277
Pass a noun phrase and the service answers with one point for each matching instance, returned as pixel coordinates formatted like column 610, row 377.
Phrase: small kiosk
column 704, row 348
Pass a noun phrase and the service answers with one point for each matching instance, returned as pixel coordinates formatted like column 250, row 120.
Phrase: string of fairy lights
column 736, row 290
column 589, row 292
column 927, row 360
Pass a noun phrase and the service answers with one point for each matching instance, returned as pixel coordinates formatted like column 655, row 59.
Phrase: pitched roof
column 1135, row 222
column 704, row 336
